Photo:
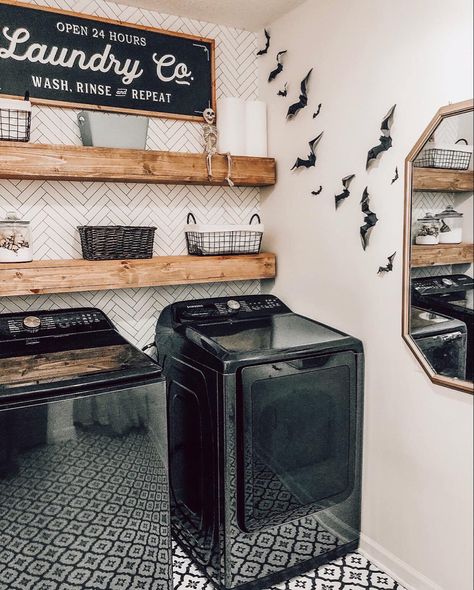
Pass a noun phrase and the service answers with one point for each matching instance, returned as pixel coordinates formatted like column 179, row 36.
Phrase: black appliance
column 442, row 340
column 265, row 425
column 83, row 456
column 451, row 295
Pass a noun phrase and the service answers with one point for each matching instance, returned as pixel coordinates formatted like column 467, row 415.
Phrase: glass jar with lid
column 15, row 240
column 450, row 231
column 427, row 230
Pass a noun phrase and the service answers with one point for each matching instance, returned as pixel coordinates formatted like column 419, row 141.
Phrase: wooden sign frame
column 138, row 28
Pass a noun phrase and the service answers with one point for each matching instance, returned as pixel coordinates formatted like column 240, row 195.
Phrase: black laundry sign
column 75, row 60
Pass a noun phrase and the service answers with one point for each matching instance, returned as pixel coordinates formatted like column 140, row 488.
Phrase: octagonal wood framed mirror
column 438, row 265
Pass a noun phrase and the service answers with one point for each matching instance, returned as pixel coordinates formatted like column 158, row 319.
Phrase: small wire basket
column 215, row 240
column 116, row 242
column 15, row 119
column 445, row 158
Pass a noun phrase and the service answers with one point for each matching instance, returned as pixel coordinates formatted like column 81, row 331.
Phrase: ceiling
column 251, row 15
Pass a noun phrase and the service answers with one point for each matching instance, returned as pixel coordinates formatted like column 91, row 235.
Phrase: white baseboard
column 400, row 571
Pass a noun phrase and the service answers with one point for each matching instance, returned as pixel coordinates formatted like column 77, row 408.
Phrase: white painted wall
column 368, row 55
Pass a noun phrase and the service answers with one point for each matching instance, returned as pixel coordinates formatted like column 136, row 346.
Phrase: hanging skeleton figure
column 210, row 134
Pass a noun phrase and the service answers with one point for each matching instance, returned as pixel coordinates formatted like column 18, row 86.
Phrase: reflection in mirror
column 441, row 314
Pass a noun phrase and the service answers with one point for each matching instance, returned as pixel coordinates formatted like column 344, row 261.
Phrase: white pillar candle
column 256, row 128
column 231, row 125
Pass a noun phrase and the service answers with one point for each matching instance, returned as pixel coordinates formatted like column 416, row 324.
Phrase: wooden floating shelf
column 66, row 276
column 442, row 254
column 32, row 161
column 436, row 179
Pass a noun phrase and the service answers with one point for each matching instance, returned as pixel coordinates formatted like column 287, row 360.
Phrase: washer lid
column 69, row 349
column 424, row 323
column 280, row 332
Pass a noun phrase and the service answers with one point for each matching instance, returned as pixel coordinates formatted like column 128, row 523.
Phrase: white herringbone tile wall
column 57, row 208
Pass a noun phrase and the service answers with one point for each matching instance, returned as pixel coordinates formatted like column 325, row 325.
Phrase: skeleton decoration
column 209, row 130
column 210, row 135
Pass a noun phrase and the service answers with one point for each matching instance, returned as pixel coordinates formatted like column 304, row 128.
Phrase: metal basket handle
column 191, row 216
column 255, row 215
column 462, row 139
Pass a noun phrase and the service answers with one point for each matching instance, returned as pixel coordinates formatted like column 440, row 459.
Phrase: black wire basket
column 15, row 124
column 116, row 242
column 444, row 158
column 214, row 241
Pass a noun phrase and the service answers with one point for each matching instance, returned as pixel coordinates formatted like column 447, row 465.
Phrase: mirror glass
column 440, row 318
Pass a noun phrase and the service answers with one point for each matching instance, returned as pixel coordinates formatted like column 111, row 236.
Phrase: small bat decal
column 318, row 192
column 346, row 181
column 317, row 111
column 386, row 121
column 303, row 98
column 396, row 177
column 274, row 73
column 389, row 266
column 385, row 139
column 283, row 92
column 370, row 219
column 311, row 160
column 267, row 44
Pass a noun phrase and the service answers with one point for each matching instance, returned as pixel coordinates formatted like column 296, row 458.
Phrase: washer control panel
column 442, row 284
column 52, row 323
column 250, row 306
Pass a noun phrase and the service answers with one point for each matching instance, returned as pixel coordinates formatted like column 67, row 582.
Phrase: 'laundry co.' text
column 167, row 68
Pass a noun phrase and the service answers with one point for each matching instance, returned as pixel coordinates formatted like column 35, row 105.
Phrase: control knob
column 32, row 322
column 233, row 305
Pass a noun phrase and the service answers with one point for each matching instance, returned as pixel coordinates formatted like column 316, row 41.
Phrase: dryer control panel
column 239, row 307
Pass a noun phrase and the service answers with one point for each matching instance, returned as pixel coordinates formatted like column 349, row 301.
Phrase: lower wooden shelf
column 439, row 179
column 66, row 276
column 441, row 254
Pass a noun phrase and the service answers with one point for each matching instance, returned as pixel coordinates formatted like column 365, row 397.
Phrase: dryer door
column 298, row 437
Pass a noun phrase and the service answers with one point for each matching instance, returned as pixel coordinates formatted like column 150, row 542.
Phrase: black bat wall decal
column 385, row 139
column 311, row 160
column 318, row 111
column 303, row 98
column 267, row 43
column 370, row 219
column 274, row 73
column 389, row 266
column 396, row 177
column 346, row 192
column 283, row 92
column 318, row 192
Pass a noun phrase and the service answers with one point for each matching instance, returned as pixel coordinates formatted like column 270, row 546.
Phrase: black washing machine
column 265, row 426
column 83, row 456
column 452, row 295
column 442, row 340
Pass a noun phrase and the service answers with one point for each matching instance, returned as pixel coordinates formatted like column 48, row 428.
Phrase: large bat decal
column 370, row 219
column 311, row 159
column 385, row 139
column 303, row 98
column 389, row 266
column 274, row 73
column 346, row 181
column 267, row 43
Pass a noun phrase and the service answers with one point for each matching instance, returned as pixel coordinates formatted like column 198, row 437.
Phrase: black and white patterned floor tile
column 352, row 572
column 82, row 516
column 85, row 515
